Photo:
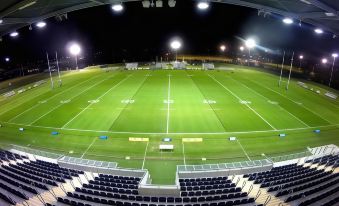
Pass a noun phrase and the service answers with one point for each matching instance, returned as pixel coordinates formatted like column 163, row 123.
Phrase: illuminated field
column 212, row 105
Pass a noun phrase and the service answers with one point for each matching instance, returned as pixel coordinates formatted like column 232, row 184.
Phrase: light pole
column 222, row 48
column 301, row 57
column 75, row 50
column 176, row 45
column 250, row 43
column 334, row 55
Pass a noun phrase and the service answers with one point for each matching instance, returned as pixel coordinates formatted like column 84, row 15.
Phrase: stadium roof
column 16, row 14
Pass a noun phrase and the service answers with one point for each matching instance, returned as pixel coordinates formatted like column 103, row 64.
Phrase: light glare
column 250, row 43
column 318, row 31
column 222, row 47
column 117, row 7
column 241, row 48
column 14, row 34
column 288, row 21
column 75, row 49
column 203, row 5
column 301, row 57
column 334, row 55
column 324, row 60
column 7, row 59
column 41, row 24
column 175, row 44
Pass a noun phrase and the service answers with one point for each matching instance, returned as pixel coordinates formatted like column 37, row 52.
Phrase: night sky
column 139, row 34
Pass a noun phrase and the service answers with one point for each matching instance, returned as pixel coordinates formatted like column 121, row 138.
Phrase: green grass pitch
column 213, row 105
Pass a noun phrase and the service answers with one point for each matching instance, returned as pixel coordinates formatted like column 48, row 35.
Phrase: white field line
column 183, row 152
column 172, row 133
column 36, row 105
column 244, row 104
column 131, row 97
column 168, row 104
column 244, row 150
column 83, row 154
column 90, row 104
column 54, row 108
column 277, row 104
column 296, row 103
column 143, row 162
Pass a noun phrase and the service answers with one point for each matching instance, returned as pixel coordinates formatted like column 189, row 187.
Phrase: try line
column 173, row 133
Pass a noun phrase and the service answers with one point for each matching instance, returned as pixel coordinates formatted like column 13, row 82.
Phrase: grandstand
column 49, row 179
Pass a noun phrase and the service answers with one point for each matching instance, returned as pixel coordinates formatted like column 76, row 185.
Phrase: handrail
column 250, row 189
column 258, row 194
column 268, row 199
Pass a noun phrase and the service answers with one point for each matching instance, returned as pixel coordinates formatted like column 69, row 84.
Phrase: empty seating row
column 7, row 199
column 53, row 167
column 307, row 185
column 96, row 192
column 6, row 156
column 38, row 173
column 13, row 191
column 203, row 179
column 113, row 180
column 17, row 184
column 207, row 187
column 274, row 171
column 109, row 189
column 23, row 179
column 27, row 175
column 48, row 172
column 311, row 191
column 319, row 197
column 198, row 183
column 119, row 177
column 130, row 203
column 325, row 160
column 299, row 181
column 210, row 192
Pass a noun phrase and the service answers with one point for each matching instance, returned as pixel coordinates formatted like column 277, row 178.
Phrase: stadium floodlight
column 242, row 48
column 41, row 24
column 250, row 43
column 171, row 3
column 1, row 21
column 146, row 3
column 334, row 55
column 222, row 48
column 117, row 7
column 318, row 31
column 14, row 34
column 158, row 3
column 7, row 59
column 288, row 20
column 203, row 5
column 324, row 60
column 301, row 57
column 75, row 50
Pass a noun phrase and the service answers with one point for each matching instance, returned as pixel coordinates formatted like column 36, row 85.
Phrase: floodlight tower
column 176, row 45
column 75, row 50
column 334, row 55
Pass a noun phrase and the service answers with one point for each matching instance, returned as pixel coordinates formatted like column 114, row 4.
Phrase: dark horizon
column 140, row 34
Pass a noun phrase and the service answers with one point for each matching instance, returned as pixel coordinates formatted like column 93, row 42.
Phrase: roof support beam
column 19, row 6
column 323, row 6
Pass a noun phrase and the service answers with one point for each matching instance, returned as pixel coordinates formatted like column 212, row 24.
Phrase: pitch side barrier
column 101, row 167
column 223, row 169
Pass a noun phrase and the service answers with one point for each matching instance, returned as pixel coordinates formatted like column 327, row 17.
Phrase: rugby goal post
column 131, row 66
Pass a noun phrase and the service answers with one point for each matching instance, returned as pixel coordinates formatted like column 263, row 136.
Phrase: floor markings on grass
column 168, row 103
column 275, row 103
column 247, row 105
column 172, row 133
column 143, row 162
column 83, row 154
column 69, row 100
column 90, row 104
column 209, row 102
column 51, row 97
column 130, row 98
column 244, row 150
column 297, row 103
